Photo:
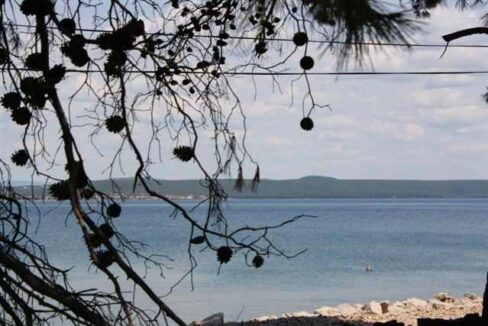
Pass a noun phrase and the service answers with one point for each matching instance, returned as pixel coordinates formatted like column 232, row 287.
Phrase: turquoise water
column 417, row 248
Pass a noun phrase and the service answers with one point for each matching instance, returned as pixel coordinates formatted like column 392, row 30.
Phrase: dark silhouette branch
column 465, row 32
column 53, row 291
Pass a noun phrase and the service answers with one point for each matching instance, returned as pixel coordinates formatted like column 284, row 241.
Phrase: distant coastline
column 311, row 187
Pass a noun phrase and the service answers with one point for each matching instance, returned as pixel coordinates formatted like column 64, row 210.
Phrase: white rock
column 396, row 307
column 265, row 318
column 439, row 305
column 298, row 314
column 415, row 302
column 213, row 320
column 347, row 309
column 373, row 308
column 327, row 311
column 473, row 297
column 444, row 297
column 466, row 302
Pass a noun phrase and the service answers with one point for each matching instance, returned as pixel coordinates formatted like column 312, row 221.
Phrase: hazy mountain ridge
column 307, row 187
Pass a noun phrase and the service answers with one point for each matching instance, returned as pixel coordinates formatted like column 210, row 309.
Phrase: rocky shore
column 441, row 306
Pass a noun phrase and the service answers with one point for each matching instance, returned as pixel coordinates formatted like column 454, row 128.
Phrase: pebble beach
column 442, row 306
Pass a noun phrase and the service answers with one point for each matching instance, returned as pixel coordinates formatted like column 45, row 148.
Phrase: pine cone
column 94, row 240
column 260, row 48
column 107, row 230
column 115, row 62
column 30, row 85
column 115, row 124
column 36, row 7
column 300, row 39
column 11, row 100
column 184, row 153
column 306, row 124
column 258, row 261
column 307, row 63
column 35, row 61
column 21, row 116
column 60, row 190
column 118, row 40
column 74, row 49
column 67, row 26
column 114, row 210
column 198, row 240
column 224, row 254
column 80, row 59
column 55, row 74
column 134, row 28
column 87, row 193
column 103, row 258
column 20, row 157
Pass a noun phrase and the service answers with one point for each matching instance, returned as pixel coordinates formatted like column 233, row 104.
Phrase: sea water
column 416, row 247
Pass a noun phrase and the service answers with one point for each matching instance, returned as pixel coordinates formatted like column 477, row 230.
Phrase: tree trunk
column 484, row 314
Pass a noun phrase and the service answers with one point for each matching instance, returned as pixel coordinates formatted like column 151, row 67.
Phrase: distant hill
column 309, row 187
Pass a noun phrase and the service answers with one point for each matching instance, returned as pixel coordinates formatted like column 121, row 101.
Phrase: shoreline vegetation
column 407, row 312
column 311, row 187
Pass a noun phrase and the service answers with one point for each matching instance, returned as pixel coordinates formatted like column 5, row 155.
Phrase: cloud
column 441, row 97
column 453, row 117
column 450, row 81
column 476, row 149
column 396, row 131
column 338, row 121
column 278, row 141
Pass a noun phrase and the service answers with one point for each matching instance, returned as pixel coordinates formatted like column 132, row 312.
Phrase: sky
column 379, row 127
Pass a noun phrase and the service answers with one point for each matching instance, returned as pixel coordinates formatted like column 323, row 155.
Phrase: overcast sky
column 380, row 127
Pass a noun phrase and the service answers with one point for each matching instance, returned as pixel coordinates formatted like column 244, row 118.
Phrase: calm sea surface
column 417, row 248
